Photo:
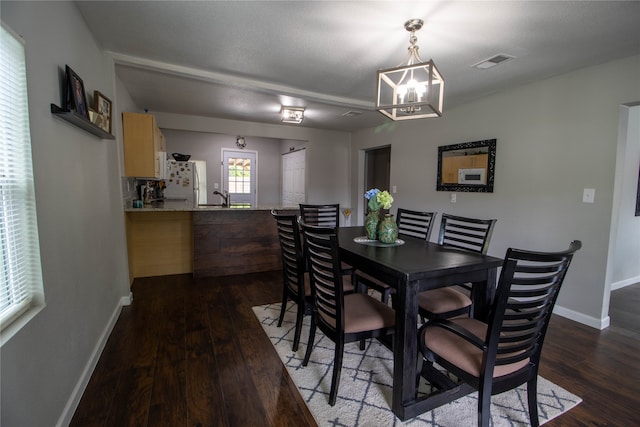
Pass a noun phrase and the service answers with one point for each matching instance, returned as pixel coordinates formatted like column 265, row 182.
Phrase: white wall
column 80, row 222
column 554, row 138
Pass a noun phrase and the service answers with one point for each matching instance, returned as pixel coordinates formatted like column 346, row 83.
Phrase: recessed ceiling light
column 493, row 61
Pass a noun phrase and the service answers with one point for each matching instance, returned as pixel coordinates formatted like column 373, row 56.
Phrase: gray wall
column 554, row 138
column 208, row 146
column 80, row 223
column 327, row 151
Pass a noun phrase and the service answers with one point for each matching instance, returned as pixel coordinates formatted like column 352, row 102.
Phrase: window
column 20, row 270
column 239, row 176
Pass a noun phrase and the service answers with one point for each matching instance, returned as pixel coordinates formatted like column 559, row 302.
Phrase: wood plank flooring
column 190, row 352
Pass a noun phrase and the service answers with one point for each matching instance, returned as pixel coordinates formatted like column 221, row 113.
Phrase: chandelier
column 412, row 91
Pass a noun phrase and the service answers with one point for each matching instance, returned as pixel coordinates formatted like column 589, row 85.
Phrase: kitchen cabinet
column 159, row 243
column 144, row 146
column 235, row 241
column 451, row 165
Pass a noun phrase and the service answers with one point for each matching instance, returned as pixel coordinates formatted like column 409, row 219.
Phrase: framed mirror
column 467, row 167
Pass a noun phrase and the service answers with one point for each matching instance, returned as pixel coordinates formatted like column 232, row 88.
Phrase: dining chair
column 410, row 223
column 504, row 352
column 469, row 234
column 296, row 285
column 342, row 318
column 327, row 215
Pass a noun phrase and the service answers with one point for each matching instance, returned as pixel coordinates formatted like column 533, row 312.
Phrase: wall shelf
column 80, row 121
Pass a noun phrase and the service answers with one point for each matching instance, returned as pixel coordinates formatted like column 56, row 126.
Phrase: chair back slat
column 320, row 215
column 469, row 234
column 293, row 266
column 527, row 291
column 414, row 223
column 321, row 246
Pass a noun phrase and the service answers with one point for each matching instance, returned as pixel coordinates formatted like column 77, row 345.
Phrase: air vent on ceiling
column 352, row 113
column 493, row 61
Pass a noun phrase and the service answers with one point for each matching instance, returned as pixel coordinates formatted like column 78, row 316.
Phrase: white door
column 293, row 178
column 239, row 172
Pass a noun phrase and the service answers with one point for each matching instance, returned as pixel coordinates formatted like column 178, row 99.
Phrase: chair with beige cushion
column 342, row 318
column 468, row 234
column 296, row 284
column 410, row 223
column 327, row 215
column 504, row 352
column 323, row 215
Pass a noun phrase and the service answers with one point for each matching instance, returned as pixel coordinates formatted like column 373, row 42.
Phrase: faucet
column 226, row 197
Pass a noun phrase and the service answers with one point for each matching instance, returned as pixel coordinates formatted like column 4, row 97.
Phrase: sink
column 211, row 205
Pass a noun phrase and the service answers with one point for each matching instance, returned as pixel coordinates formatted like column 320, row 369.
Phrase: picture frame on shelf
column 96, row 118
column 103, row 108
column 76, row 98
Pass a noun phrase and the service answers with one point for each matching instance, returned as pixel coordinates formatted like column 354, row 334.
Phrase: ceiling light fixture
column 240, row 142
column 413, row 91
column 292, row 115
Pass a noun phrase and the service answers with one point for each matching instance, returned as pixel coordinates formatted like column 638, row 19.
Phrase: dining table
column 411, row 265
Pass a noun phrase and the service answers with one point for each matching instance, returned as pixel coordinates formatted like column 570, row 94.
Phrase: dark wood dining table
column 413, row 266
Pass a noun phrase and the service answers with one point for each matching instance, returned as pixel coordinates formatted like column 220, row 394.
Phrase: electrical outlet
column 216, row 185
column 588, row 195
column 453, row 197
column 394, row 189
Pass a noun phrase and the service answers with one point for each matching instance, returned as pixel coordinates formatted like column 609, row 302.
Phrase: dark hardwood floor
column 190, row 352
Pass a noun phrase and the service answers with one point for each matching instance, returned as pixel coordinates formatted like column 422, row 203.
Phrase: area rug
column 364, row 394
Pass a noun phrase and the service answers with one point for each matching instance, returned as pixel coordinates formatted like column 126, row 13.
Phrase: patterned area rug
column 364, row 394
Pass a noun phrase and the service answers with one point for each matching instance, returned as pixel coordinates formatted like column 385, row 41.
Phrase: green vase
column 388, row 229
column 371, row 224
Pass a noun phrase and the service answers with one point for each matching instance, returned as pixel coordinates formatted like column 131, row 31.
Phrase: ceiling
column 244, row 59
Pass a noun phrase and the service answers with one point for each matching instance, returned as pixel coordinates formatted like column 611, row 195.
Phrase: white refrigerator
column 181, row 180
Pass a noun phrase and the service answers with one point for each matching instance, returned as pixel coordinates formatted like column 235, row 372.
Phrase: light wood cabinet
column 144, row 146
column 451, row 165
column 159, row 243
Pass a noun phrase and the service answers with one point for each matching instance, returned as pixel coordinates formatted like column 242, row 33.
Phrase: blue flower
column 369, row 194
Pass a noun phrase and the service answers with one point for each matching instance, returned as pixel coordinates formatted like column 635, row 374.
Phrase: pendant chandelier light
column 413, row 91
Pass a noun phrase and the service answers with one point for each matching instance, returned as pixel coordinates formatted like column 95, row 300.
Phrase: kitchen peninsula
column 173, row 238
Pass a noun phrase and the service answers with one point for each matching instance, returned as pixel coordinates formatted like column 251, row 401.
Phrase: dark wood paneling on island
column 234, row 241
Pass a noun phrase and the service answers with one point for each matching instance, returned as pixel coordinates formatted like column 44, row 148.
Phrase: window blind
column 20, row 270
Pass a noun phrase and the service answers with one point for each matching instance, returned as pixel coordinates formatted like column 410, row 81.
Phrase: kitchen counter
column 174, row 238
column 232, row 241
column 180, row 206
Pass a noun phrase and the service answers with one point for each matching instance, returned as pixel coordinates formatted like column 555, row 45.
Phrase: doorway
column 377, row 170
column 239, row 172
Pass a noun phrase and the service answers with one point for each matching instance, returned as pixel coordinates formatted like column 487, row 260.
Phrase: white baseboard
column 623, row 283
column 594, row 322
column 81, row 385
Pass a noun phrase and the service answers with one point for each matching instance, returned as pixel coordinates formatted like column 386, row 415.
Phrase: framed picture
column 468, row 167
column 75, row 98
column 102, row 107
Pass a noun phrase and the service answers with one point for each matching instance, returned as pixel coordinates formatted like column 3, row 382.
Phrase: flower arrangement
column 378, row 199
